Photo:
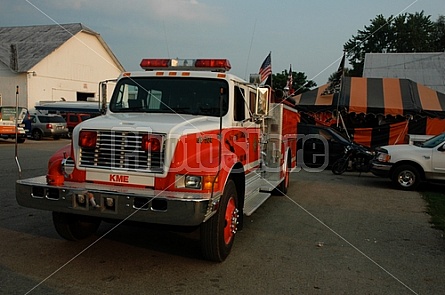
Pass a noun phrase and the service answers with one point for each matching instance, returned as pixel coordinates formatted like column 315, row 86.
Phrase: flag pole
column 271, row 82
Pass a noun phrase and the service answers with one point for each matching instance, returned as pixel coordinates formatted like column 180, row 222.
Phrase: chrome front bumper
column 116, row 202
column 381, row 169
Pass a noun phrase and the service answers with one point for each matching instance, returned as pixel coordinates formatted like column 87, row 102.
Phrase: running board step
column 254, row 201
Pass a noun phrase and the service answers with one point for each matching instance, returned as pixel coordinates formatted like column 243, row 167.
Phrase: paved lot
column 346, row 234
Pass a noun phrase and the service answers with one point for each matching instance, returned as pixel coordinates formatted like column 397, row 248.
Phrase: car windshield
column 433, row 142
column 195, row 96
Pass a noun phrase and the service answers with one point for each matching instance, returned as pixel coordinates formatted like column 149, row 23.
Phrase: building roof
column 426, row 68
column 34, row 43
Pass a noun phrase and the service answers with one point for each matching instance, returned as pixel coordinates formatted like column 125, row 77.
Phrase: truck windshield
column 433, row 142
column 194, row 96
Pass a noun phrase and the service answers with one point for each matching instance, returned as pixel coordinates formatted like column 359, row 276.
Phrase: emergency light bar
column 215, row 65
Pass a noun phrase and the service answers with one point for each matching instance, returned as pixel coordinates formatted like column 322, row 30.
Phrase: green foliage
column 403, row 33
column 300, row 82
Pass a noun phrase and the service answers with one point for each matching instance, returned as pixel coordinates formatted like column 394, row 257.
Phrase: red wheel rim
column 230, row 218
column 286, row 178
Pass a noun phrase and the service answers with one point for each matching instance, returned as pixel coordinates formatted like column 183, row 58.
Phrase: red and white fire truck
column 182, row 143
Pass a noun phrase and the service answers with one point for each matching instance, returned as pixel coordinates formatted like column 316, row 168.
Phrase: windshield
column 433, row 142
column 193, row 96
column 8, row 113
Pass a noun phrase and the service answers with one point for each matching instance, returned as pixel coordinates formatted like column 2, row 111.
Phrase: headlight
column 188, row 181
column 383, row 157
column 206, row 182
column 369, row 153
column 193, row 181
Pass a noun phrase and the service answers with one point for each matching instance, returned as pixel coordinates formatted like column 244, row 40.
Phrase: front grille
column 121, row 150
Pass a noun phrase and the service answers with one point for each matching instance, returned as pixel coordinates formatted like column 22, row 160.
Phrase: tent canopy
column 386, row 96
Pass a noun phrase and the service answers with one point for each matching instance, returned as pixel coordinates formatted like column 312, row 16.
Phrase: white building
column 425, row 68
column 53, row 63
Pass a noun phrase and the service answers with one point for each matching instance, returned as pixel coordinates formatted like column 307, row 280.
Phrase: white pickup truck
column 408, row 165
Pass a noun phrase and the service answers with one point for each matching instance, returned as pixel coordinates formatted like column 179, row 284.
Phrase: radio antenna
column 166, row 40
column 250, row 49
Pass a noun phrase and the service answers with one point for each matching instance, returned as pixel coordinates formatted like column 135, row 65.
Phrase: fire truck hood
column 157, row 123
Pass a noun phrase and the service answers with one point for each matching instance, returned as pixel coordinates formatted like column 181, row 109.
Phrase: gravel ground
column 346, row 234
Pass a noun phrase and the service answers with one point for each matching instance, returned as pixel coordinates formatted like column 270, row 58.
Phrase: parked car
column 47, row 126
column 407, row 165
column 320, row 145
column 72, row 119
column 8, row 120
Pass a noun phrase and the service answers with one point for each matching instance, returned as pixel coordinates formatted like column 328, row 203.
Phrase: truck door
column 438, row 162
column 247, row 131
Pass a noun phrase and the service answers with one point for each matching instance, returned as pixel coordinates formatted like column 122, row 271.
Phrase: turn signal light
column 210, row 181
column 87, row 139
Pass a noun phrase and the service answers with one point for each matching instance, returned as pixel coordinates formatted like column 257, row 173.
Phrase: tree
column 404, row 33
column 300, row 83
column 333, row 76
column 439, row 34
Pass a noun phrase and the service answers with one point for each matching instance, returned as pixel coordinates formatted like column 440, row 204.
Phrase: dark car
column 319, row 146
column 40, row 125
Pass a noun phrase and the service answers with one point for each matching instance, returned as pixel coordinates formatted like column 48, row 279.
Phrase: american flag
column 266, row 69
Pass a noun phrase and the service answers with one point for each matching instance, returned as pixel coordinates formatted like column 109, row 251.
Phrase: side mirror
column 262, row 101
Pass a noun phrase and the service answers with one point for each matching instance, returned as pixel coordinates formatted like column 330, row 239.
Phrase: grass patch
column 436, row 208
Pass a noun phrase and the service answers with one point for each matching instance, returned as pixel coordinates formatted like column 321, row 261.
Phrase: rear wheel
column 218, row 233
column 75, row 227
column 406, row 177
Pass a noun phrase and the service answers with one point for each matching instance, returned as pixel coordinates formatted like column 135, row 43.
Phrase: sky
column 309, row 35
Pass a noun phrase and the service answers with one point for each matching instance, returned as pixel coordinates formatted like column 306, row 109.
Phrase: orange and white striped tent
column 386, row 96
column 423, row 107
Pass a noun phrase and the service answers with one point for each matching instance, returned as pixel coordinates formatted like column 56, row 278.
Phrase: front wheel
column 406, row 177
column 339, row 166
column 218, row 233
column 75, row 227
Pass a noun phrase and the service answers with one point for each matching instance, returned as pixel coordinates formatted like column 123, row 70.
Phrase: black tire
column 406, row 177
column 339, row 166
column 21, row 140
column 56, row 137
column 36, row 134
column 75, row 227
column 218, row 233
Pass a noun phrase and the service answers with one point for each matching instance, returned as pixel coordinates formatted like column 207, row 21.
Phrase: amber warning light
column 214, row 65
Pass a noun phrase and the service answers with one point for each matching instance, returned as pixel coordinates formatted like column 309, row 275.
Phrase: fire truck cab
column 182, row 143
